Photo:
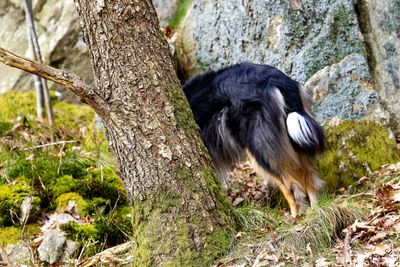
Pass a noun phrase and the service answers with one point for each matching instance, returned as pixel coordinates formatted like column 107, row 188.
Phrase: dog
column 257, row 111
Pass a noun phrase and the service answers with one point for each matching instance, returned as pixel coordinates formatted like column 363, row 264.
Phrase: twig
column 367, row 194
column 347, row 247
column 66, row 78
column 49, row 144
column 4, row 257
column 60, row 161
column 109, row 255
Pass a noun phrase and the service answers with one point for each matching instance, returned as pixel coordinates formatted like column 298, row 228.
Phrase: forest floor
column 355, row 225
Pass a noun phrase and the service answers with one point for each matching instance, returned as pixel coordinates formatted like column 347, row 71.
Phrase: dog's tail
column 305, row 133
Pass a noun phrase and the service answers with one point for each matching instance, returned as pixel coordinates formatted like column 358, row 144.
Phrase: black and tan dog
column 258, row 111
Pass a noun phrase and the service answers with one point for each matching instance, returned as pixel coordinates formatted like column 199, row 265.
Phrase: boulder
column 345, row 91
column 60, row 39
column 380, row 24
column 310, row 41
column 298, row 37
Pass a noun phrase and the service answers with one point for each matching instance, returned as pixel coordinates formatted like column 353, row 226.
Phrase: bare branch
column 32, row 38
column 66, row 78
column 49, row 144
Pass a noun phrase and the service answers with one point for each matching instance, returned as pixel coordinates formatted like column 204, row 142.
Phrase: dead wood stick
column 33, row 40
column 347, row 246
column 49, row 144
column 66, row 78
column 111, row 255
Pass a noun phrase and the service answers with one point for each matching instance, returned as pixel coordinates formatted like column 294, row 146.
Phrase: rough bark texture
column 180, row 215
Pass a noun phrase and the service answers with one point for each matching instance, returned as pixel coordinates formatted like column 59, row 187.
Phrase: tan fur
column 261, row 172
column 298, row 181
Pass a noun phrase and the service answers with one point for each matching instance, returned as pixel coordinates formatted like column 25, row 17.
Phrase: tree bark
column 179, row 213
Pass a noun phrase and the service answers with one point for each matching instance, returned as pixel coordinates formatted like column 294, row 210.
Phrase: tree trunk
column 180, row 215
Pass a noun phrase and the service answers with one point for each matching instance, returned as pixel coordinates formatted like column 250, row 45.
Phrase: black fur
column 238, row 108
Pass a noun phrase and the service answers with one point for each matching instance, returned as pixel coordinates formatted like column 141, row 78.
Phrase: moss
column 182, row 112
column 104, row 183
column 11, row 197
column 354, row 149
column 155, row 237
column 63, row 184
column 69, row 116
column 5, row 127
column 87, row 235
column 183, row 6
column 106, row 231
column 13, row 234
column 116, row 226
column 81, row 204
column 14, row 104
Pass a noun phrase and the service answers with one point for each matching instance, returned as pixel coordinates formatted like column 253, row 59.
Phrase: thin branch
column 37, row 80
column 66, row 78
column 42, row 91
column 49, row 144
column 114, row 255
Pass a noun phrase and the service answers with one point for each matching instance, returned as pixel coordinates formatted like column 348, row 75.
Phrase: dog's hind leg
column 310, row 180
column 266, row 175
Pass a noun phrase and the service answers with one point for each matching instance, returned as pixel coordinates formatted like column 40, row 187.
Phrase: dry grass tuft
column 319, row 228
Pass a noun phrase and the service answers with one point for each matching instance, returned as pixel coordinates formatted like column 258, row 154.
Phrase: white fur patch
column 299, row 130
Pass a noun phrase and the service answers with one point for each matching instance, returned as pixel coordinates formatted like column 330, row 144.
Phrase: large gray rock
column 300, row 37
column 380, row 23
column 51, row 248
column 345, row 91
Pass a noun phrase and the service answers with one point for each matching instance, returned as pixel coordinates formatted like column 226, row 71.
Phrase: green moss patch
column 355, row 148
column 11, row 197
column 15, row 234
column 64, row 200
column 152, row 224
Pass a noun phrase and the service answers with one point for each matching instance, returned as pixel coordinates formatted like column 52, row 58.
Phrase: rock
column 71, row 247
column 299, row 39
column 345, row 91
column 380, row 24
column 60, row 39
column 57, row 219
column 166, row 10
column 51, row 248
column 30, row 209
column 19, row 254
column 302, row 38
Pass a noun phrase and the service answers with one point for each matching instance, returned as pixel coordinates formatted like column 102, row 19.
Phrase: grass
column 82, row 170
column 183, row 7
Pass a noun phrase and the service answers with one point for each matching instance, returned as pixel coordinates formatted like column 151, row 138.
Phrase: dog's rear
column 257, row 110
